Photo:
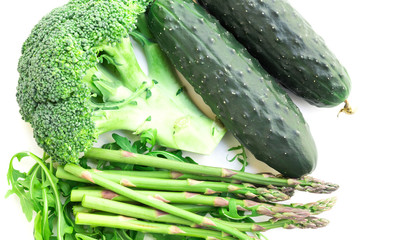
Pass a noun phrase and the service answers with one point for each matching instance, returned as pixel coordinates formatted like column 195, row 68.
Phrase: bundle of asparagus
column 181, row 198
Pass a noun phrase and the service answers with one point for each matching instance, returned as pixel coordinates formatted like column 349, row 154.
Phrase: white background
column 354, row 151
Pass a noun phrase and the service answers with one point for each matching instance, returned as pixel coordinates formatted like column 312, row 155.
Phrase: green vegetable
column 152, row 202
column 279, row 211
column 56, row 201
column 206, row 187
column 259, row 208
column 306, row 183
column 244, row 97
column 39, row 191
column 79, row 78
column 154, row 215
column 143, row 226
column 286, row 46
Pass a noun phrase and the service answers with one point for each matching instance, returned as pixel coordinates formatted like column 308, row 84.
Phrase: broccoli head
column 79, row 78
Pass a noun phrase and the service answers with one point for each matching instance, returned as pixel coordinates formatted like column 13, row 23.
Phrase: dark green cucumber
column 247, row 100
column 286, row 46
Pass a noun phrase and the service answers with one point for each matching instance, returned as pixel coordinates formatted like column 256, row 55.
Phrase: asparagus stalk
column 142, row 226
column 149, row 214
column 279, row 211
column 191, row 185
column 134, row 211
column 306, row 183
column 200, row 209
column 195, row 208
column 145, row 213
column 78, row 193
column 170, row 175
column 79, row 208
column 61, row 173
column 153, row 202
column 316, row 207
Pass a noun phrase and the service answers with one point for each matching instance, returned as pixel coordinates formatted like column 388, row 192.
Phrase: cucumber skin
column 247, row 100
column 286, row 46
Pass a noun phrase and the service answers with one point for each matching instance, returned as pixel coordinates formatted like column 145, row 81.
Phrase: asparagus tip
column 322, row 205
column 314, row 185
column 283, row 212
column 311, row 222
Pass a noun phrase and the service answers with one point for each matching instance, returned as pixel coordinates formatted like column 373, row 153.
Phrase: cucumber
column 245, row 98
column 286, row 46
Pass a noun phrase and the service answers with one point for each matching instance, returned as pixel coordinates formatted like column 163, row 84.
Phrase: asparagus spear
column 143, row 226
column 188, row 207
column 145, row 213
column 132, row 210
column 61, row 173
column 316, row 207
column 306, row 183
column 170, row 175
column 153, row 202
column 191, row 185
column 282, row 211
column 287, row 191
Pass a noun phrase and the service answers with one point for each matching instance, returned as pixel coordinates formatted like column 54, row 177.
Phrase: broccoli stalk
column 79, row 78
column 127, row 99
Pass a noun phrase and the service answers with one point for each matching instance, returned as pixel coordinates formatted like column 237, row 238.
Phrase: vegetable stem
column 145, row 213
column 306, row 183
column 136, row 225
column 56, row 194
column 278, row 211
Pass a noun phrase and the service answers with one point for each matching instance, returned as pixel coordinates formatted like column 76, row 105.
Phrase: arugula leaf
column 18, row 189
column 175, row 155
column 241, row 156
column 38, row 192
column 80, row 236
column 149, row 137
column 38, row 235
column 122, row 142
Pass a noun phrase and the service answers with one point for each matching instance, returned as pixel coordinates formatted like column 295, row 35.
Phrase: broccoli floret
column 79, row 78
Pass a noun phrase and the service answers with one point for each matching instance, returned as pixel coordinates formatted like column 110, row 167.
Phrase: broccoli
column 79, row 78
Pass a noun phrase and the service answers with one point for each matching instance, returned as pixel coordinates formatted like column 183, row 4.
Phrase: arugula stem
column 45, row 208
column 33, row 175
column 84, row 237
column 59, row 206
column 48, row 178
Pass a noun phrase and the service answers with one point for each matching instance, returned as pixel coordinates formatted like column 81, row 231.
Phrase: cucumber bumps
column 286, row 46
column 245, row 98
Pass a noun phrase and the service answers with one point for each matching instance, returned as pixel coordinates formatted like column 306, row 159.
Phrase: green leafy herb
column 39, row 192
column 57, row 216
column 241, row 156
